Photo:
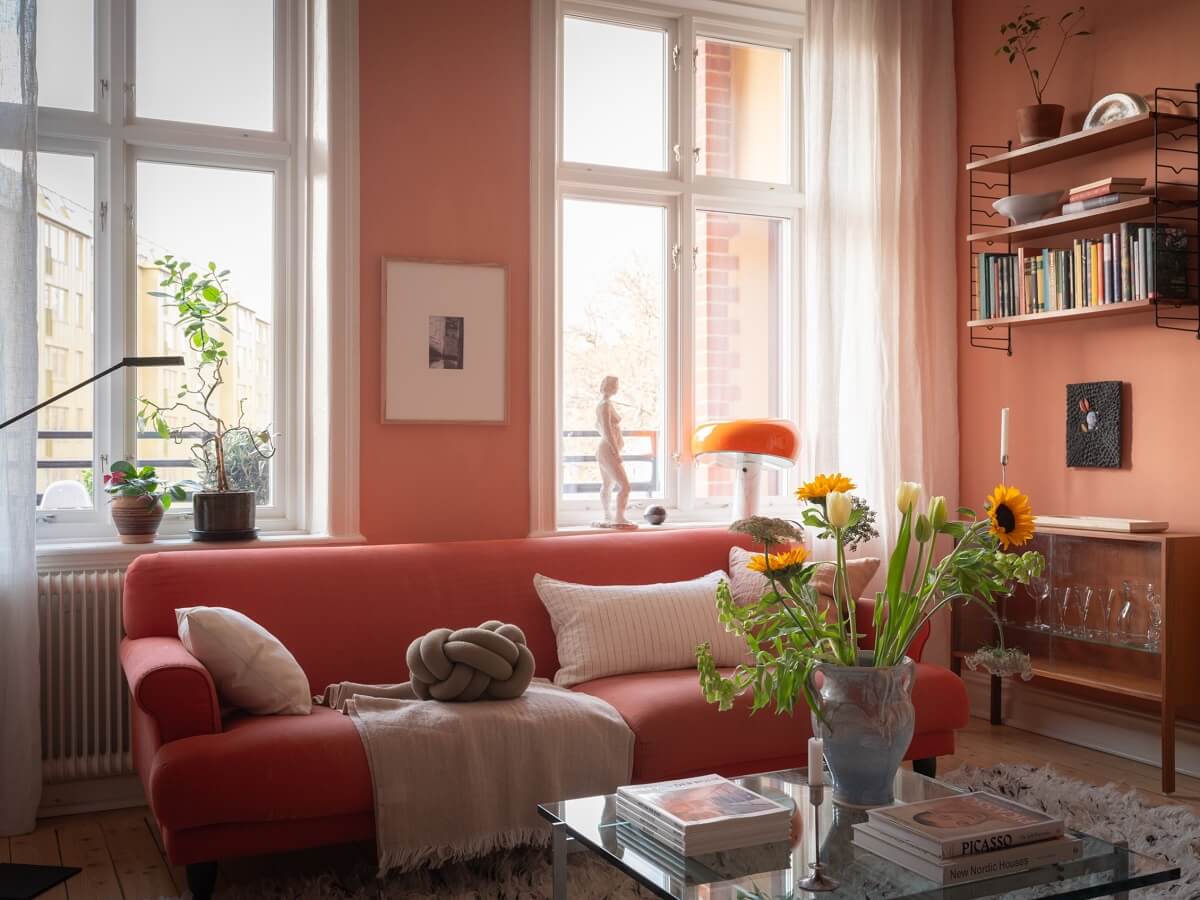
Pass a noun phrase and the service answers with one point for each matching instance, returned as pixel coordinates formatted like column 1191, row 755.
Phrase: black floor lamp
column 133, row 362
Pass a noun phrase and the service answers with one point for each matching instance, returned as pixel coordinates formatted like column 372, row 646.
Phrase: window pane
column 614, row 95
column 66, row 58
column 230, row 79
column 743, row 121
column 66, row 294
column 175, row 215
column 741, row 276
column 614, row 289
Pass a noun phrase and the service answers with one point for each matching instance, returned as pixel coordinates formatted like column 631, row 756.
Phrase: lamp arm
column 19, row 416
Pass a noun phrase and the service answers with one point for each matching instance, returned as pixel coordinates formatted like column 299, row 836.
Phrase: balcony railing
column 87, row 463
column 593, row 487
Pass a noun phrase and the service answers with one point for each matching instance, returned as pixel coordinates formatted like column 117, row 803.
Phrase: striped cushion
column 606, row 630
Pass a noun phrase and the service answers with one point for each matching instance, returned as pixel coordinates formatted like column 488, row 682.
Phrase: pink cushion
column 676, row 731
column 262, row 769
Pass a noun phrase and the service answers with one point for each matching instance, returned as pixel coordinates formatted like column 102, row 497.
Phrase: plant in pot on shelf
column 227, row 447
column 1041, row 121
column 861, row 699
column 140, row 498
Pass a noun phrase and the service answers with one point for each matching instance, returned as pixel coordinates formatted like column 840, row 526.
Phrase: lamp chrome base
column 818, row 882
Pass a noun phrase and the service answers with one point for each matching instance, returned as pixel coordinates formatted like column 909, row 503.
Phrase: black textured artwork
column 1094, row 425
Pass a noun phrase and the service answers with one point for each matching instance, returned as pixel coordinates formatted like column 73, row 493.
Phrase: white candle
column 1003, row 434
column 816, row 761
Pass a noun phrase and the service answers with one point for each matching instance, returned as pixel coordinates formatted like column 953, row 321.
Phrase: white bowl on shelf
column 1022, row 209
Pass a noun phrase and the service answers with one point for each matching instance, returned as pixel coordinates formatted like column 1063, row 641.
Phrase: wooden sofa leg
column 201, row 879
column 926, row 766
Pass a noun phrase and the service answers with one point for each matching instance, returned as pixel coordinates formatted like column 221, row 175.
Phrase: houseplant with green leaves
column 224, row 509
column 804, row 647
column 1022, row 37
column 140, row 498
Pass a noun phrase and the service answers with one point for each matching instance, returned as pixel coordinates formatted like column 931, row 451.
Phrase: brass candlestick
column 818, row 881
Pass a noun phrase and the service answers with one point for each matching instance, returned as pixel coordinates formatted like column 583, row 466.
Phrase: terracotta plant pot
column 1040, row 122
column 224, row 516
column 137, row 521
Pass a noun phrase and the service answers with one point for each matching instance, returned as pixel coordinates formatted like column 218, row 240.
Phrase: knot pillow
column 489, row 661
column 250, row 667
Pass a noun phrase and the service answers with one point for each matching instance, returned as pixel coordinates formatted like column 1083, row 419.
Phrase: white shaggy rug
column 1169, row 832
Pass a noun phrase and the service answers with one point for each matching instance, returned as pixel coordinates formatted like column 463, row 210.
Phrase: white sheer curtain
column 20, row 732
column 879, row 355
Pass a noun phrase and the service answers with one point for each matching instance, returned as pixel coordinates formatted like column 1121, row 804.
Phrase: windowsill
column 104, row 553
column 563, row 530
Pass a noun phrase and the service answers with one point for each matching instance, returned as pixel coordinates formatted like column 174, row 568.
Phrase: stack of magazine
column 701, row 815
column 970, row 837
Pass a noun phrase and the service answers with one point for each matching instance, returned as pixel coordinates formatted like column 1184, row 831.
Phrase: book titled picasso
column 965, row 825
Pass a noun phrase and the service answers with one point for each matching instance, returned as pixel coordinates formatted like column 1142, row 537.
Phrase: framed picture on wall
column 445, row 341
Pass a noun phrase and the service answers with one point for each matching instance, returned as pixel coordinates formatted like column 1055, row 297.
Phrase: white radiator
column 85, row 703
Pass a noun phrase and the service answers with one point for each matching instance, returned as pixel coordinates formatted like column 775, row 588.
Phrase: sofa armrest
column 171, row 686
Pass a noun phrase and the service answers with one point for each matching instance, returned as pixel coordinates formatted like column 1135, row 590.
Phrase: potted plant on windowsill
column 223, row 510
column 139, row 499
column 862, row 702
column 1040, row 121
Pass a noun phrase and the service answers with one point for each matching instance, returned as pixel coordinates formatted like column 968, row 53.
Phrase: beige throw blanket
column 458, row 780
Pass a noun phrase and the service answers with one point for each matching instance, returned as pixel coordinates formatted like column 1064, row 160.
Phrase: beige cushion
column 748, row 586
column 606, row 630
column 250, row 668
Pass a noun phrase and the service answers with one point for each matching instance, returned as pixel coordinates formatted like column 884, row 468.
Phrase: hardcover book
column 964, row 825
column 959, row 870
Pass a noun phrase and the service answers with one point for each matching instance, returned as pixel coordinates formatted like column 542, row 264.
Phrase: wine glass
column 1039, row 589
column 1083, row 599
column 1125, row 617
column 1002, row 598
column 1154, row 614
column 1108, row 600
column 1063, row 599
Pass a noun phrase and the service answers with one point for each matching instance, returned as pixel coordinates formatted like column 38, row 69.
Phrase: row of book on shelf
column 948, row 840
column 1134, row 263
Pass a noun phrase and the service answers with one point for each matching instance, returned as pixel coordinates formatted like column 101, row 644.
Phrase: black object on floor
column 22, row 882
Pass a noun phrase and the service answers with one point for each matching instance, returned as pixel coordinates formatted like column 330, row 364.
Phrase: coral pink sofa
column 248, row 785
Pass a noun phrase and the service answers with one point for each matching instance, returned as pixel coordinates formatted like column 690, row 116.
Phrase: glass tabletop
column 773, row 871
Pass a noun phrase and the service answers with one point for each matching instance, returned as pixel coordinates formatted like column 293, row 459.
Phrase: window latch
column 103, row 87
column 45, row 518
column 103, row 215
column 675, row 257
column 675, row 149
column 675, row 58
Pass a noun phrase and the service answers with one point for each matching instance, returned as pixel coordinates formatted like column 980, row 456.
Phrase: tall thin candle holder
column 818, row 881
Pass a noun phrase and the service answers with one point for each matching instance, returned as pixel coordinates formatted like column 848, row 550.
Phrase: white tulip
column 906, row 495
column 838, row 509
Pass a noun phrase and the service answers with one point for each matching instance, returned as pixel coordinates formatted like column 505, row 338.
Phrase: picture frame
column 1094, row 425
column 444, row 339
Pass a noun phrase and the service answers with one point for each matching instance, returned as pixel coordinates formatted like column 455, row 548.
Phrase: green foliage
column 789, row 635
column 1022, row 36
column 124, row 479
column 202, row 301
column 248, row 470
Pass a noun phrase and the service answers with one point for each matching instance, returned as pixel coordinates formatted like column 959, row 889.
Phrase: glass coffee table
column 774, row 872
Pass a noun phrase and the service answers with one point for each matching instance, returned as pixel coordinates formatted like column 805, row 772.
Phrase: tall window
column 143, row 158
column 668, row 221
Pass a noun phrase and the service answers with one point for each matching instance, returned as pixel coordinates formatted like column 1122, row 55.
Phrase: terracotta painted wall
column 1136, row 46
column 444, row 138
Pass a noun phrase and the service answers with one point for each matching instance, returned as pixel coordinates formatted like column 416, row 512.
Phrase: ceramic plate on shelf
column 1113, row 107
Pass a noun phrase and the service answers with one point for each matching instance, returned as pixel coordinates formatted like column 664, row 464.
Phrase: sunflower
column 778, row 562
column 824, row 484
column 1011, row 516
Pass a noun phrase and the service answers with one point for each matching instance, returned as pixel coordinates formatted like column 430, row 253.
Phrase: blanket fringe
column 407, row 859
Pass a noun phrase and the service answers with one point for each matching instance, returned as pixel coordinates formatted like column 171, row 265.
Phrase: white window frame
column 117, row 139
column 684, row 192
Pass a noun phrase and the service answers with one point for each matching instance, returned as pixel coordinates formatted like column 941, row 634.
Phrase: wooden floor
column 121, row 857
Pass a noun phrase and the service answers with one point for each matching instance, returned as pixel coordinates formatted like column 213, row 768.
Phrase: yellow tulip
column 937, row 512
column 906, row 495
column 838, row 509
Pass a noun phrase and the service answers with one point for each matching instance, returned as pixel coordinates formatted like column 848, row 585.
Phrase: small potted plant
column 139, row 499
column 1040, row 121
column 223, row 510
